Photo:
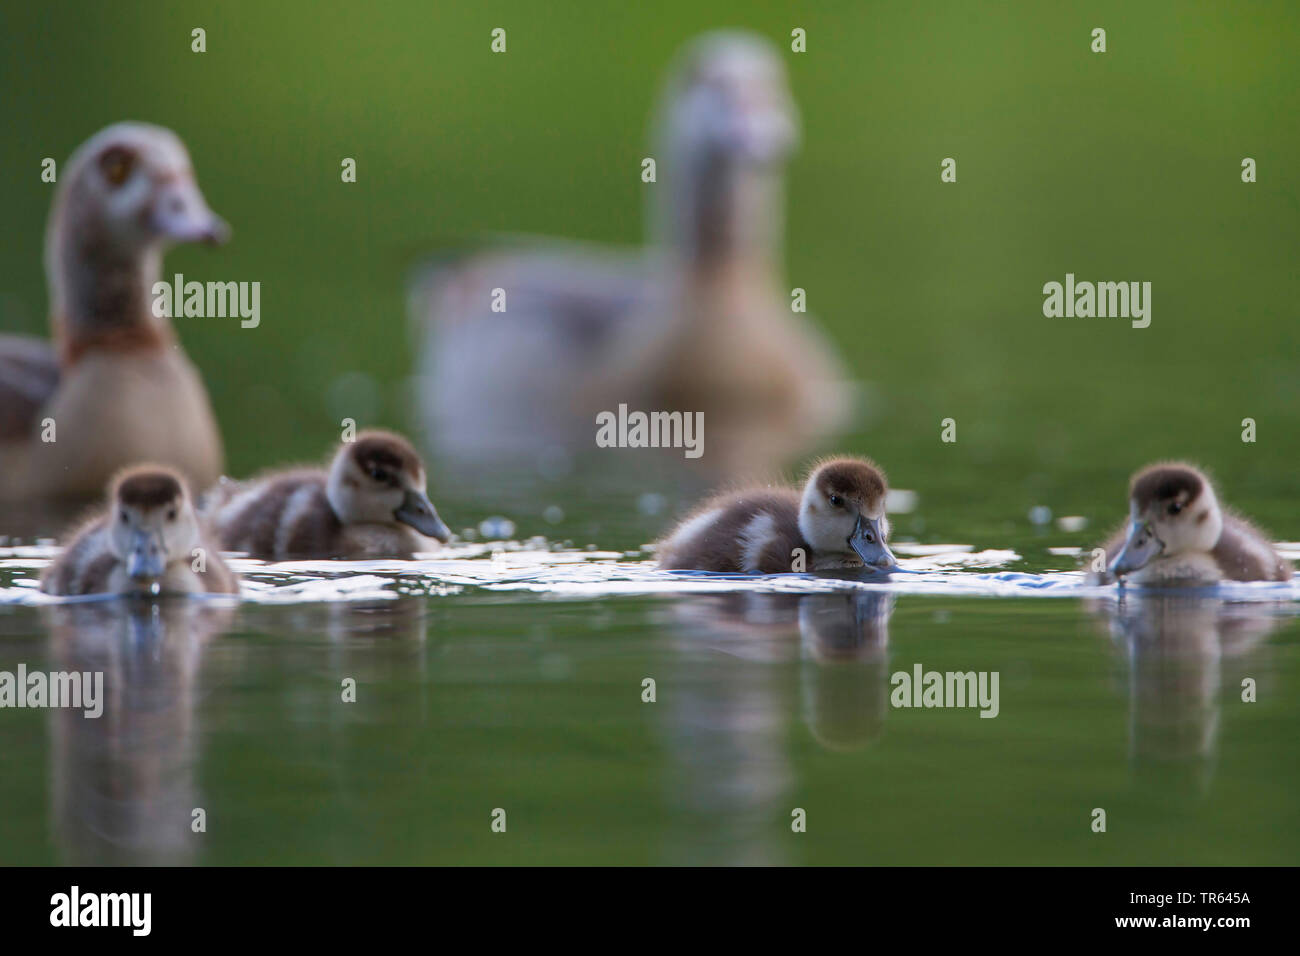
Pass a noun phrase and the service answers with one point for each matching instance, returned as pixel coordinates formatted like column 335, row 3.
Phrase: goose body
column 837, row 521
column 148, row 541
column 370, row 503
column 114, row 387
column 1179, row 534
column 701, row 322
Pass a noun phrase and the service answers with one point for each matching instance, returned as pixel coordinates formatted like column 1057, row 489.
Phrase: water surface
column 510, row 675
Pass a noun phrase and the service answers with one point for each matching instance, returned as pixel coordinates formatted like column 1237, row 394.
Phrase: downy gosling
column 1178, row 534
column 114, row 388
column 371, row 503
column 150, row 541
column 837, row 522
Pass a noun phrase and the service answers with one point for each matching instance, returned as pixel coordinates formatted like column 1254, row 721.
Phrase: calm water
column 510, row 676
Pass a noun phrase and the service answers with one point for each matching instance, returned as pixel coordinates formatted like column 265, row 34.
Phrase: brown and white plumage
column 370, row 503
column 115, row 382
column 1178, row 533
column 837, row 521
column 150, row 540
column 702, row 322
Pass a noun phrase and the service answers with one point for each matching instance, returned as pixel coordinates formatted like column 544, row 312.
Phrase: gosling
column 1178, row 534
column 370, row 503
column 838, row 522
column 149, row 541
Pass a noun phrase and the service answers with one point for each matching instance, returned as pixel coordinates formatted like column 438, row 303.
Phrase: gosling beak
column 418, row 512
column 182, row 215
column 1139, row 549
column 145, row 559
column 870, row 546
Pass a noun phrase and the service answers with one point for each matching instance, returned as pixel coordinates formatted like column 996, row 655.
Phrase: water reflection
column 730, row 784
column 1186, row 656
column 124, row 788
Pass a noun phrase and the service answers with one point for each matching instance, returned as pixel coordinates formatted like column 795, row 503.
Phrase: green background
column 1117, row 166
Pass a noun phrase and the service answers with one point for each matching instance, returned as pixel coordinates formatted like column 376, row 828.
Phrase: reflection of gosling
column 116, row 384
column 704, row 325
column 838, row 523
column 844, row 683
column 1178, row 534
column 123, row 789
column 371, row 503
column 149, row 541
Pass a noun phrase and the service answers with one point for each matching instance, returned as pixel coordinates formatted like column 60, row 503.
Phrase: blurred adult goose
column 837, row 522
column 371, row 503
column 148, row 541
column 702, row 322
column 1177, row 533
column 115, row 384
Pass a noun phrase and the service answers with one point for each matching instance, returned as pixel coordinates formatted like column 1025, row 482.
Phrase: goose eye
column 378, row 474
column 116, row 164
column 836, row 501
column 1175, row 508
column 126, row 518
column 171, row 514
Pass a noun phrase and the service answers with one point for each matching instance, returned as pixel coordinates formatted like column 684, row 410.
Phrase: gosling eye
column 171, row 514
column 378, row 474
column 126, row 518
column 836, row 501
column 1175, row 507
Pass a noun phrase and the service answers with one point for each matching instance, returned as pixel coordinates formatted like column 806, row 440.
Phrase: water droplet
column 651, row 503
column 496, row 528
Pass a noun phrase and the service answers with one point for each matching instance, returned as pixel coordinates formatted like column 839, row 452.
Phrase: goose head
column 727, row 125
column 1173, row 511
column 379, row 479
column 843, row 512
column 124, row 196
column 152, row 524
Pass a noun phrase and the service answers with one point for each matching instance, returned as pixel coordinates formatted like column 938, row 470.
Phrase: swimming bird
column 149, row 541
column 523, row 347
column 115, row 387
column 838, row 521
column 370, row 503
column 1178, row 533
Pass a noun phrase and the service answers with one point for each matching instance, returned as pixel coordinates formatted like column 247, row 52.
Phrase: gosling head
column 729, row 102
column 379, row 479
column 152, row 524
column 1172, row 511
column 843, row 512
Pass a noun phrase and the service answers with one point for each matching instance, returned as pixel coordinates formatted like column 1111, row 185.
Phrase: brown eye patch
column 116, row 164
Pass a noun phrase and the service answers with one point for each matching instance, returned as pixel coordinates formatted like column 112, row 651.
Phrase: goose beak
column 145, row 559
column 418, row 512
column 763, row 138
column 869, row 544
column 1139, row 549
column 182, row 215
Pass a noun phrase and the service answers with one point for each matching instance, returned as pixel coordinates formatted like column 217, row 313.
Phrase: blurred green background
column 1116, row 166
